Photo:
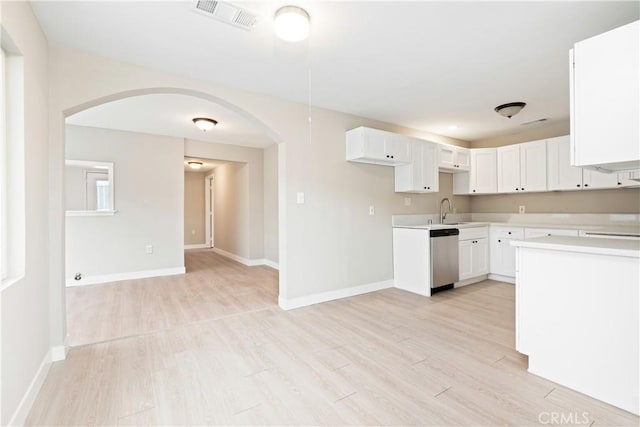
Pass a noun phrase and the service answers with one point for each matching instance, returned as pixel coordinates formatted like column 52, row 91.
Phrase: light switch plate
column 372, row 210
column 300, row 198
column 521, row 209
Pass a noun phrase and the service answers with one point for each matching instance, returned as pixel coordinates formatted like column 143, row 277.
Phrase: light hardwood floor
column 385, row 358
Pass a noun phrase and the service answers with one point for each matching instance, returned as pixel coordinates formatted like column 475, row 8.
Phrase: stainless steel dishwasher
column 444, row 258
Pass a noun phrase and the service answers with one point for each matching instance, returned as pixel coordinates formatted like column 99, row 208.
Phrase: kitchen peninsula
column 577, row 305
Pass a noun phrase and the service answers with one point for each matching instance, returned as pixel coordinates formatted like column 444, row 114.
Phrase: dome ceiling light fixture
column 511, row 109
column 204, row 124
column 291, row 23
column 195, row 165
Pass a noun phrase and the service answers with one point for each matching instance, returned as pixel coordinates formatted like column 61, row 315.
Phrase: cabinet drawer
column 473, row 233
column 531, row 233
column 507, row 232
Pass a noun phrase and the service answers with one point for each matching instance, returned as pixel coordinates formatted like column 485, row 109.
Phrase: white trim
column 246, row 261
column 289, row 304
column 470, row 281
column 501, row 278
column 93, row 280
column 22, row 411
column 209, row 228
column 91, row 213
column 59, row 352
column 196, row 246
column 271, row 264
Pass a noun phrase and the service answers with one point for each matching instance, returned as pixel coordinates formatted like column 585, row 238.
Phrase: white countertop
column 629, row 230
column 588, row 245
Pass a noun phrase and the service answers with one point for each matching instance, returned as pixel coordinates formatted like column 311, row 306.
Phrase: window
column 12, row 166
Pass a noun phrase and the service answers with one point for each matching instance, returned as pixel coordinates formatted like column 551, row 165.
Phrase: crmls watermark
column 557, row 418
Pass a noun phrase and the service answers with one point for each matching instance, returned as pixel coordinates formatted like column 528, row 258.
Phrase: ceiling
column 425, row 65
column 171, row 115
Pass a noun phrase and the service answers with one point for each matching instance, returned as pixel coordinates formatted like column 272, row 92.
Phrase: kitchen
column 544, row 255
column 396, row 357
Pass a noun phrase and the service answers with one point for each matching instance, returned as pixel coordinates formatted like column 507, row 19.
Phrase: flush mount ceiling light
column 511, row 109
column 204, row 124
column 291, row 23
column 195, row 165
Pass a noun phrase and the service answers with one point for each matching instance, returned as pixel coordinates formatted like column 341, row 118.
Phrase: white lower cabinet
column 473, row 252
column 502, row 254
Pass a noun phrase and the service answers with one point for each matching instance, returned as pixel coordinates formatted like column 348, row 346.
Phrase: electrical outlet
column 407, row 201
column 372, row 210
column 521, row 209
column 149, row 249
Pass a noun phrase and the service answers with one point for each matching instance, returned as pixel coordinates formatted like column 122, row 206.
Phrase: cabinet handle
column 499, row 241
column 522, row 189
column 509, row 232
column 516, row 189
column 586, row 185
column 425, row 188
column 619, row 183
column 428, row 188
column 392, row 157
column 578, row 185
column 474, row 191
column 548, row 234
column 387, row 156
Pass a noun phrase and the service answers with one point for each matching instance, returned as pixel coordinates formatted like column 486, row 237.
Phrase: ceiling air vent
column 534, row 122
column 227, row 13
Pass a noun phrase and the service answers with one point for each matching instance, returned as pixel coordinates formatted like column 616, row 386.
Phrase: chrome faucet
column 443, row 214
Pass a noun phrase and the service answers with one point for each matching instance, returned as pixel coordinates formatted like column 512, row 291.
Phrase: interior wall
column 622, row 200
column 271, row 203
column 194, row 214
column 149, row 200
column 24, row 312
column 329, row 243
column 252, row 196
column 231, row 228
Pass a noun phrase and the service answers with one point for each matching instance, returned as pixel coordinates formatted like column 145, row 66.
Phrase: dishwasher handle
column 444, row 232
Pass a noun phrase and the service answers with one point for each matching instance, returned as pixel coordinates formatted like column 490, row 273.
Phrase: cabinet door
column 462, row 159
column 421, row 175
column 398, row 147
column 465, row 259
column 479, row 257
column 503, row 257
column 508, row 174
column 533, row 166
column 625, row 179
column 605, row 102
column 594, row 179
column 483, row 171
column 561, row 175
column 446, row 156
column 375, row 144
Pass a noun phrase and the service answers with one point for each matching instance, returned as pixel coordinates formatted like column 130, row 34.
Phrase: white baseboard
column 500, row 278
column 246, row 261
column 470, row 281
column 196, row 246
column 271, row 264
column 22, row 411
column 93, row 280
column 59, row 352
column 289, row 304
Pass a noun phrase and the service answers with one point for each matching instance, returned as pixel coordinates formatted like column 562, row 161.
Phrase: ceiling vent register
column 227, row 13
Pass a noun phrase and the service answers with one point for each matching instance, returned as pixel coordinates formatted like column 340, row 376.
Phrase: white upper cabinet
column 421, row 175
column 367, row 145
column 522, row 167
column 454, row 158
column 561, row 175
column 533, row 166
column 482, row 176
column 605, row 93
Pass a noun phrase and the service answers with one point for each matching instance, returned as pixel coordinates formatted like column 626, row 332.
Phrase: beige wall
column 271, row 203
column 149, row 200
column 624, row 200
column 231, row 208
column 252, row 194
column 194, row 215
column 25, row 316
column 329, row 243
